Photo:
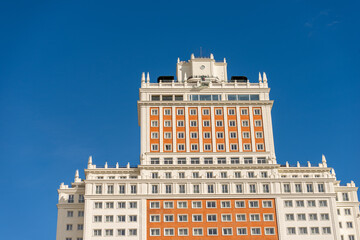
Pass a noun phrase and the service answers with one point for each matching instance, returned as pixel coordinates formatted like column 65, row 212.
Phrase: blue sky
column 70, row 73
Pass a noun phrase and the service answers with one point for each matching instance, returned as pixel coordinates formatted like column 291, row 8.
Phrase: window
column 287, row 188
column 219, row 123
column 206, row 135
column 154, row 135
column 206, row 111
column 206, row 123
column 209, row 175
column 195, row 161
column 180, row 135
column 233, row 147
column 154, row 218
column 183, row 232
column 264, row 174
column 227, row 231
column 167, row 111
column 239, row 204
column 233, row 135
column 298, row 188
column 256, row 111
column 300, row 203
column 266, row 188
column 196, row 188
column 192, row 111
column 252, row 188
column 309, row 188
column 197, row 231
column 321, row 187
column 182, row 188
column 254, row 217
column 268, row 217
column 241, row 217
column 167, row 98
column 269, row 231
column 168, row 161
column 226, row 217
column 314, row 230
column 289, row 217
column 180, row 112
column 247, row 146
column 303, row 231
column 218, row 111
column 219, row 135
column 167, row 135
column 257, row 123
column 212, row 218
column 193, row 123
column 231, row 111
column 155, row 175
column 259, row 146
column 132, row 232
column 97, row 232
column 225, row 188
column 324, row 217
column 181, row 175
column 181, row 147
column 97, row 218
column 68, row 227
column 167, row 147
column 207, row 147
column 70, row 213
column 326, row 230
column 121, row 232
column 223, row 174
column 248, row 160
column 241, row 231
column 220, row 147
column 259, row 135
column 109, row 205
column 291, row 231
column 301, row 217
column 80, row 213
column 288, row 203
column 98, row 190
column 212, row 231
column 197, row 218
column 121, row 189
column 183, row 218
column 109, row 218
column 245, row 123
column 132, row 205
column 182, row 204
column 154, row 123
column 210, row 204
column 168, row 204
column 267, row 204
column 313, row 217
column 246, row 134
column 154, row 161
column 244, row 111
column 168, row 188
column 168, row 218
column 98, row 205
column 154, row 231
column 196, row 204
column 210, row 188
column 225, row 204
column 311, row 203
column 347, row 211
column 232, row 123
column 154, row 147
column 345, row 197
column 255, row 231
column 154, row 189
column 167, row 123
column 194, row 147
column 81, row 198
column 253, row 204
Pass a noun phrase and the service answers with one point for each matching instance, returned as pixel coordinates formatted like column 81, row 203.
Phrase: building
column 208, row 170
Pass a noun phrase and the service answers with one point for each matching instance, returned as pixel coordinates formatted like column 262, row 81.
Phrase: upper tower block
column 197, row 68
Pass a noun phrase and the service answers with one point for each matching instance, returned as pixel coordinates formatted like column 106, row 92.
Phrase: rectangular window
column 181, row 147
column 227, row 231
column 180, row 112
column 154, row 112
column 183, row 232
column 196, row 204
column 210, row 204
column 233, row 135
column 154, row 218
column 154, row 205
column 183, row 218
column 197, row 218
column 255, row 231
column 167, row 111
column 169, row 204
column 242, row 231
column 241, row 217
column 169, row 218
column 206, row 135
column 154, row 231
column 219, row 123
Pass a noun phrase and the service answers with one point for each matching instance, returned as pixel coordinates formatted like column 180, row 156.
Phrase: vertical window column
column 238, row 123
column 187, row 132
column 252, row 132
column 226, row 130
column 173, row 125
column 161, row 132
column 213, row 133
column 200, row 134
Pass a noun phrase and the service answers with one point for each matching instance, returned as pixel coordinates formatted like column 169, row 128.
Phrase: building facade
column 208, row 170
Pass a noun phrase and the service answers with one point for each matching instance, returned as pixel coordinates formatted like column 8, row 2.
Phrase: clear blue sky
column 70, row 73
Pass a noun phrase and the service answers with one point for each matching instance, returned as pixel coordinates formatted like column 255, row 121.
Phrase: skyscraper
column 208, row 170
